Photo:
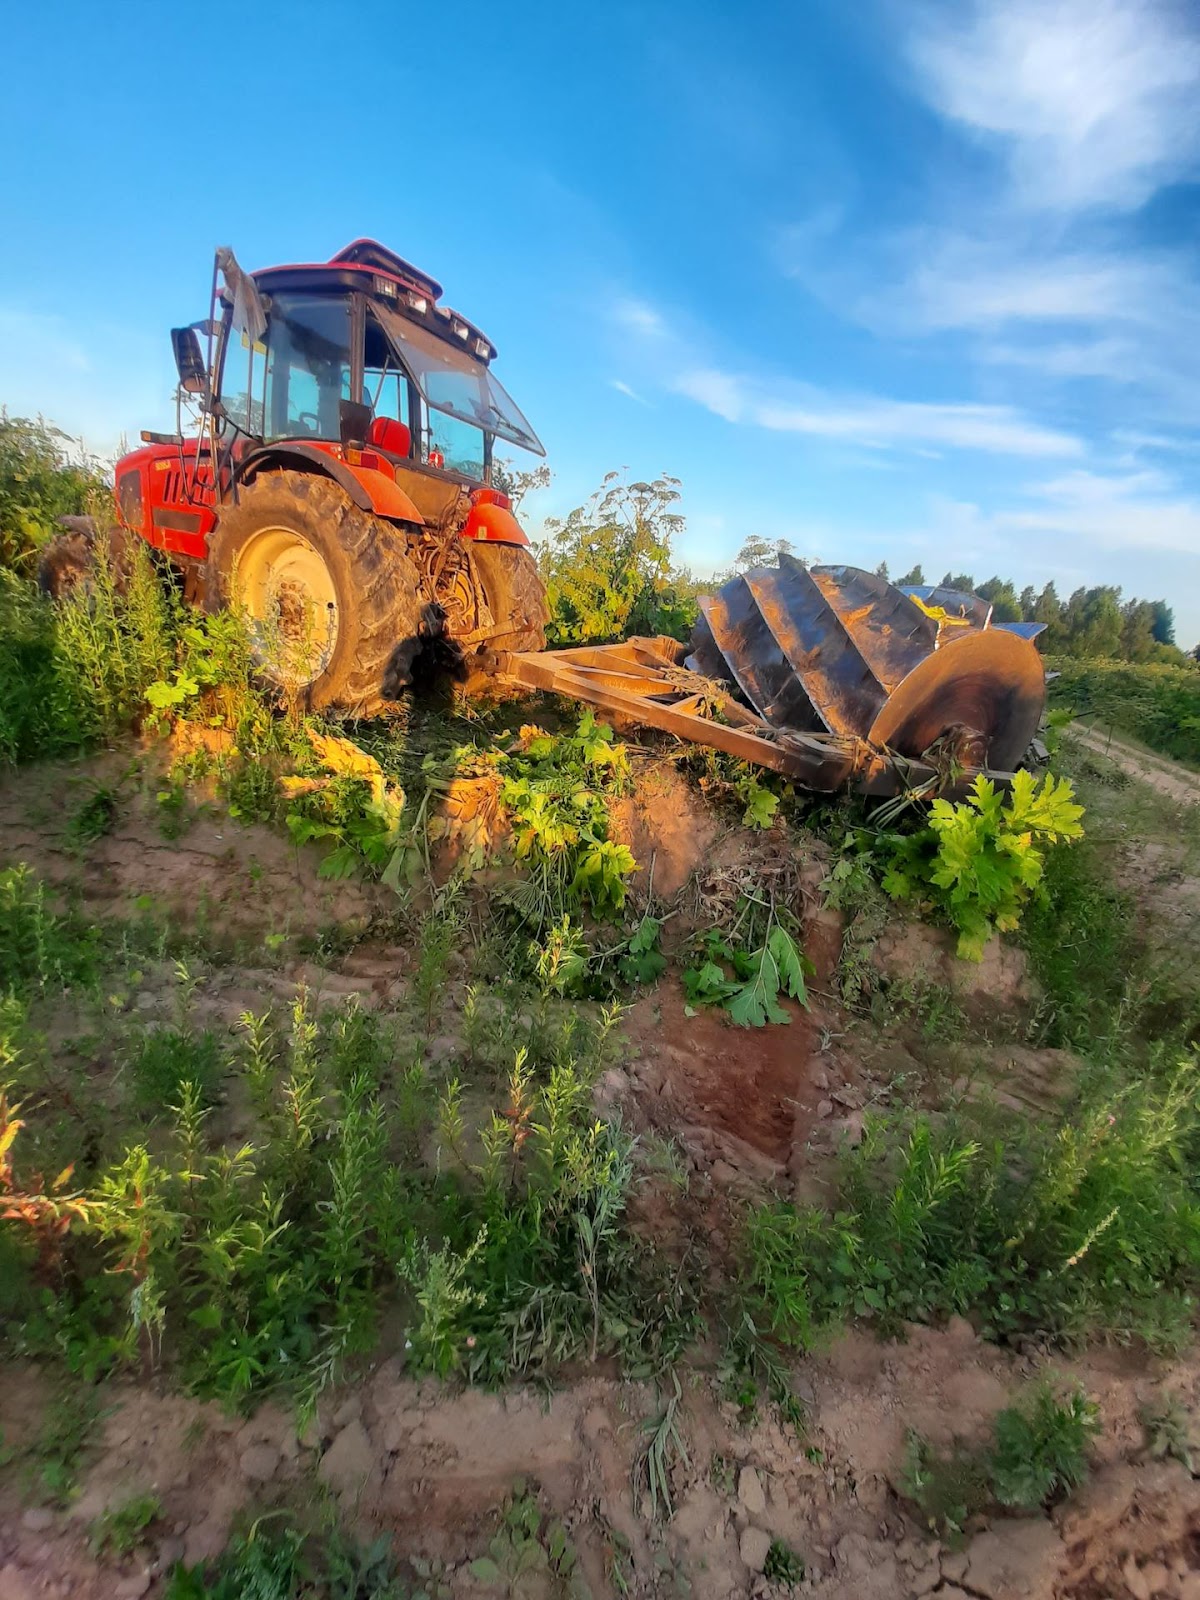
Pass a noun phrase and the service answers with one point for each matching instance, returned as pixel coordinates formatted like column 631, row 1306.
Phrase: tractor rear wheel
column 332, row 596
column 515, row 595
column 69, row 558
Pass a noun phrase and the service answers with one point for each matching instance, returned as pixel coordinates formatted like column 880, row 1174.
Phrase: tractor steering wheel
column 308, row 422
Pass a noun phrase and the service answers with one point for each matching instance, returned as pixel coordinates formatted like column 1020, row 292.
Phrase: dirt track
column 1160, row 772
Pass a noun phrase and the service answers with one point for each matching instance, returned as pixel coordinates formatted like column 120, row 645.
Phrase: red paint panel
column 493, row 523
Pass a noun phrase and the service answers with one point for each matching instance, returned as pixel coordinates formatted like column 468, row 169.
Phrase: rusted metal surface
column 840, row 649
column 888, row 630
column 850, row 683
column 666, row 695
column 990, row 682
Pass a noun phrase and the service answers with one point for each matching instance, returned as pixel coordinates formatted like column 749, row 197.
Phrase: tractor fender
column 492, row 523
column 368, row 487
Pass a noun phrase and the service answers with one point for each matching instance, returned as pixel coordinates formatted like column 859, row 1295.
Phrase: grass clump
column 1041, row 1450
column 280, row 1563
column 1038, row 1454
column 39, row 947
column 783, row 1565
column 1093, row 1225
column 120, row 1529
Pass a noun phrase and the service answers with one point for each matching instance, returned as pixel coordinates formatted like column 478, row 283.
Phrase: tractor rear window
column 453, row 382
column 308, row 366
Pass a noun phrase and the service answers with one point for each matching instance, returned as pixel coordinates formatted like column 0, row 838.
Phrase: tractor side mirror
column 193, row 375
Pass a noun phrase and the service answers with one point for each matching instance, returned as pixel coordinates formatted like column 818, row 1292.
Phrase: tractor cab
column 350, row 368
column 336, row 485
column 359, row 351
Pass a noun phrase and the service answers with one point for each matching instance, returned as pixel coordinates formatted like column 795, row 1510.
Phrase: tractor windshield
column 453, row 382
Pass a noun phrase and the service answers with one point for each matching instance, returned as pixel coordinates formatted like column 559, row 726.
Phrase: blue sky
column 894, row 281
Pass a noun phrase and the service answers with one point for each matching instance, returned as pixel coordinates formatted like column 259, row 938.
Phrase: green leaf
column 486, row 1570
column 790, row 962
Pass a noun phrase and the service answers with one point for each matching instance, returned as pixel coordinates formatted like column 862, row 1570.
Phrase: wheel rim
column 289, row 595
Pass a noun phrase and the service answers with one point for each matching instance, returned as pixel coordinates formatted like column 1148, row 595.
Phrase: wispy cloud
column 1088, row 108
column 1144, row 509
column 1088, row 102
column 870, row 421
column 638, row 316
column 628, row 391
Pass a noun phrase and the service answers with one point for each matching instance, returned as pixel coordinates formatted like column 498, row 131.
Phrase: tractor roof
column 367, row 264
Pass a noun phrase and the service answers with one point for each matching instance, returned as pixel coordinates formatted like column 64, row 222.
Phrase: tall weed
column 1093, row 1225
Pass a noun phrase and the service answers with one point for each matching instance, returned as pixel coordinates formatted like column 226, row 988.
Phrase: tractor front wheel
column 515, row 595
column 330, row 593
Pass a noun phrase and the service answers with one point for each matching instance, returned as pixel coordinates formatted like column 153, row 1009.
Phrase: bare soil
column 753, row 1112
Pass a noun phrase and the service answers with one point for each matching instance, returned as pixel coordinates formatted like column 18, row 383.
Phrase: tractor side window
column 385, row 383
column 308, row 365
column 238, row 373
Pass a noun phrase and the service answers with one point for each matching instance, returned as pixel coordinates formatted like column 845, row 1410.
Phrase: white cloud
column 1142, row 510
column 627, row 390
column 638, row 316
column 985, row 283
column 871, row 421
column 1090, row 102
column 718, row 392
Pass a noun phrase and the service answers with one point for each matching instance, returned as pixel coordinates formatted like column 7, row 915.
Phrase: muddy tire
column 333, row 598
column 65, row 562
column 69, row 559
column 515, row 595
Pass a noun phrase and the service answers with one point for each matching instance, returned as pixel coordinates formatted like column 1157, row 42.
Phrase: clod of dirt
column 1017, row 1560
column 259, row 1463
column 349, row 1462
column 1033, row 1082
column 754, row 1547
column 664, row 822
column 750, row 1492
column 913, row 952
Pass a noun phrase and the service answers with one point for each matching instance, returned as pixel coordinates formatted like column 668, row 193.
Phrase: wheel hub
column 289, row 596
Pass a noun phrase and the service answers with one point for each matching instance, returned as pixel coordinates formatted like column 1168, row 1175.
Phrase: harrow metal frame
column 644, row 679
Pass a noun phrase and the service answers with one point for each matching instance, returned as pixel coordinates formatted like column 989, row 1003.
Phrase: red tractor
column 338, row 484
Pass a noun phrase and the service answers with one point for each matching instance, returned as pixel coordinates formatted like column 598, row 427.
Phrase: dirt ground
column 1160, row 772
column 733, row 1113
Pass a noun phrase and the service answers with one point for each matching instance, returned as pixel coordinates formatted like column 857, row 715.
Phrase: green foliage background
column 1158, row 703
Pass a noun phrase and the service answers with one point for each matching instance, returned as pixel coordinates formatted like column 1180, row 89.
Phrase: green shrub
column 1158, row 704
column 38, row 714
column 114, row 652
column 168, row 1058
column 608, row 566
column 40, row 948
column 40, row 481
column 1039, row 1453
column 1093, row 1224
column 1042, row 1448
column 981, row 860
